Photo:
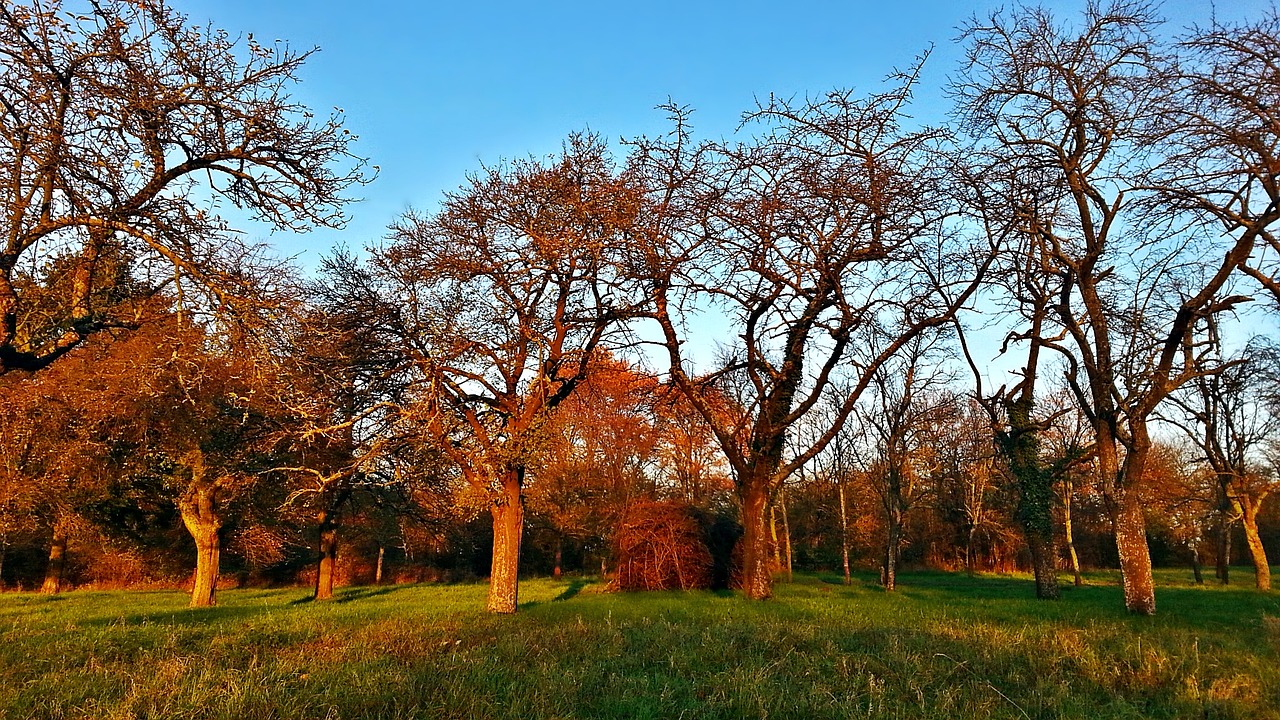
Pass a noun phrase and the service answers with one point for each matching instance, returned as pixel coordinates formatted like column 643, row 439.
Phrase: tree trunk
column 57, row 562
column 1034, row 512
column 377, row 573
column 757, row 583
column 1222, row 566
column 1070, row 535
column 200, row 515
column 844, row 535
column 558, row 571
column 786, row 533
column 774, row 543
column 1249, row 514
column 508, row 531
column 1195, row 564
column 208, row 556
column 1135, row 557
column 328, row 556
column 893, row 543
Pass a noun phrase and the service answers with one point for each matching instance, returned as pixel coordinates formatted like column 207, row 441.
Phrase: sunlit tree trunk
column 893, row 545
column 508, row 531
column 844, row 535
column 200, row 515
column 775, row 544
column 1069, row 533
column 377, row 573
column 1195, row 563
column 757, row 582
column 1249, row 515
column 328, row 555
column 57, row 561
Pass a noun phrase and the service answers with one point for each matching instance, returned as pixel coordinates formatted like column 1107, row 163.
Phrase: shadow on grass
column 572, row 591
column 352, row 594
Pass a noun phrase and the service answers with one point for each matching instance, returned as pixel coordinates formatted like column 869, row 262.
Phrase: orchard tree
column 821, row 241
column 120, row 120
column 495, row 306
column 1082, row 110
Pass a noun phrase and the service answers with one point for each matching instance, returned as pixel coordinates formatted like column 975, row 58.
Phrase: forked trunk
column 757, row 583
column 1262, row 571
column 57, row 562
column 328, row 557
column 508, row 531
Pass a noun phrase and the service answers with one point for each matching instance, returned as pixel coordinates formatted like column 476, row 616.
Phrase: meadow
column 942, row 646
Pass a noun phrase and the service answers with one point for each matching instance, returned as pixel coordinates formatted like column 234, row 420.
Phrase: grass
column 943, row 646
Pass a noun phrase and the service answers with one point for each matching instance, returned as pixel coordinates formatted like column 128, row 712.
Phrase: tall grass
column 943, row 646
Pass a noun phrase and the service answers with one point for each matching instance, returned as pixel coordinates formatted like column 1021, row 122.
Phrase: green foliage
column 944, row 646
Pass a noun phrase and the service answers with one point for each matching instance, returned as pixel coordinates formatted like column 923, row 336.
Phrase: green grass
column 943, row 646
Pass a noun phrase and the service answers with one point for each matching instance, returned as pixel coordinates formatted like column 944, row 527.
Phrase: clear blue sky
column 435, row 88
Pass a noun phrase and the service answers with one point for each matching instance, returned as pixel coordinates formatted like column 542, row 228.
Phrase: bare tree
column 813, row 238
column 120, row 122
column 494, row 306
column 1081, row 110
column 1228, row 415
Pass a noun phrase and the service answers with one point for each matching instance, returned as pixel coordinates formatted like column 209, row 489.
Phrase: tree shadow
column 572, row 591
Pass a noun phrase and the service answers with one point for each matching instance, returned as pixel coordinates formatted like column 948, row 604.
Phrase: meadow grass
column 943, row 646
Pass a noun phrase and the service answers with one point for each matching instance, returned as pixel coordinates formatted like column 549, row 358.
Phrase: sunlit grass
column 944, row 646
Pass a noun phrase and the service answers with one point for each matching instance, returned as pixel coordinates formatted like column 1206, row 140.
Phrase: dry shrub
column 661, row 546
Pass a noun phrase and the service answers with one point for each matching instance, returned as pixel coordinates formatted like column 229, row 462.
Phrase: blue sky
column 435, row 89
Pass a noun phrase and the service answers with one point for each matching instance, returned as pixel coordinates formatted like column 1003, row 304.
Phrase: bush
column 661, row 546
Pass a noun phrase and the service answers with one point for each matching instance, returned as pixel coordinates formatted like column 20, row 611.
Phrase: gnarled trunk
column 757, row 582
column 508, row 532
column 57, row 563
column 199, row 511
column 328, row 555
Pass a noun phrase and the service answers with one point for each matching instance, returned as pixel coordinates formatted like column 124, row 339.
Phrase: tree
column 1229, row 416
column 118, row 119
column 495, row 306
column 1080, row 110
column 812, row 239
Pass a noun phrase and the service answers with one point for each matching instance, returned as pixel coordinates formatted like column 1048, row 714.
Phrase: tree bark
column 328, row 556
column 377, row 573
column 508, row 532
column 1135, row 556
column 57, row 563
column 1249, row 515
column 558, row 571
column 1195, row 564
column 757, row 583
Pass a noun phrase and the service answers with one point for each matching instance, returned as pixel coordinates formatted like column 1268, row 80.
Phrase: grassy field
column 943, row 646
